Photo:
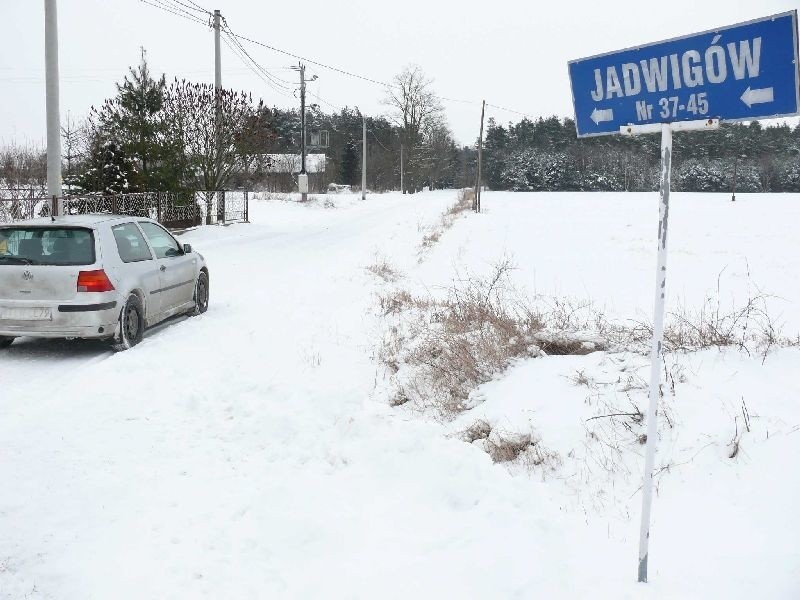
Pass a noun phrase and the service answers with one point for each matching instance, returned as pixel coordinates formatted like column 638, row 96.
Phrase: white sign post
column 665, row 87
column 666, row 130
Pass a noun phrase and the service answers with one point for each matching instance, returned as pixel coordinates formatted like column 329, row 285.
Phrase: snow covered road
column 242, row 454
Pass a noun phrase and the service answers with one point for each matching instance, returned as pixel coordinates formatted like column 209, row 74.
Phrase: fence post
column 159, row 208
column 221, row 207
column 246, row 206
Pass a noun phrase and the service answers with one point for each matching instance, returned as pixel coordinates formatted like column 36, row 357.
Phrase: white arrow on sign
column 600, row 116
column 761, row 96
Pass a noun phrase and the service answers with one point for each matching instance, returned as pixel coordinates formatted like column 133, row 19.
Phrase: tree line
column 184, row 137
column 546, row 155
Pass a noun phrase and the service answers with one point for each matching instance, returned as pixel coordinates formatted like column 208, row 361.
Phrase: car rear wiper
column 18, row 259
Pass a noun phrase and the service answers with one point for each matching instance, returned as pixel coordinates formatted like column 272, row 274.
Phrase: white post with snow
column 364, row 164
column 52, row 105
column 656, row 348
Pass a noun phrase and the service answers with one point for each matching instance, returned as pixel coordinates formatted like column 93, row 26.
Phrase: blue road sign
column 737, row 73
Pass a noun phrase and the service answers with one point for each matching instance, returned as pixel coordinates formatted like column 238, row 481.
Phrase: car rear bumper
column 67, row 320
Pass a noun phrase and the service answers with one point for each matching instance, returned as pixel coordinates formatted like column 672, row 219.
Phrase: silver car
column 95, row 276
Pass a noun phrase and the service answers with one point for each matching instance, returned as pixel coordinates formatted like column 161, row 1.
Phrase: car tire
column 131, row 324
column 200, row 295
column 5, row 342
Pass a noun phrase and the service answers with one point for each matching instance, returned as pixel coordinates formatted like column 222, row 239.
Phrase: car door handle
column 163, row 268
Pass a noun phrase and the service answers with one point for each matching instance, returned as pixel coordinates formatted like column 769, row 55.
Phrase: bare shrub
column 580, row 378
column 749, row 327
column 383, row 270
column 463, row 203
column 431, row 238
column 505, row 447
column 396, row 302
column 479, row 430
column 442, row 349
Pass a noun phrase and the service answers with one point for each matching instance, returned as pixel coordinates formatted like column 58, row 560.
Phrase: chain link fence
column 174, row 210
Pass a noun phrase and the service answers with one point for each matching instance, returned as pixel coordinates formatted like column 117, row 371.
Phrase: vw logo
column 27, row 275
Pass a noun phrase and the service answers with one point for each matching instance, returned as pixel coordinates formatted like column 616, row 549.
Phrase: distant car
column 95, row 276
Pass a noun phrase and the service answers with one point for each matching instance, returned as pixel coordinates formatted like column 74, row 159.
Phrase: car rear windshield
column 46, row 246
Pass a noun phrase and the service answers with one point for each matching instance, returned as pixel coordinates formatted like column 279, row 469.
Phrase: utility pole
column 477, row 202
column 402, row 189
column 53, row 112
column 303, row 179
column 218, row 113
column 364, row 163
column 217, row 55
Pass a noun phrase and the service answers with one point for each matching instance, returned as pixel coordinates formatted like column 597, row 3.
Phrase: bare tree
column 416, row 109
column 212, row 129
column 73, row 140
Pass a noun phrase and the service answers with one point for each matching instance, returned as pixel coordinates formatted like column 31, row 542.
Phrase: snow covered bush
column 701, row 176
column 535, row 171
column 748, row 179
column 789, row 177
column 597, row 182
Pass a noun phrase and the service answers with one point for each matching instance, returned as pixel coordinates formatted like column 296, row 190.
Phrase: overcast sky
column 513, row 53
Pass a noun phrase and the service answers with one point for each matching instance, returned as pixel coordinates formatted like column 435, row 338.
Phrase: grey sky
column 514, row 53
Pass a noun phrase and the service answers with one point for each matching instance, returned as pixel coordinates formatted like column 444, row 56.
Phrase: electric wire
column 175, row 8
column 178, row 14
column 261, row 68
column 254, row 66
column 272, row 86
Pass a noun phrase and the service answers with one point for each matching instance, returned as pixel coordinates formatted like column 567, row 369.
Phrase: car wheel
column 131, row 324
column 201, row 294
column 5, row 342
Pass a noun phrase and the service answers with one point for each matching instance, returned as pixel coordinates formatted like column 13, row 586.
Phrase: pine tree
column 108, row 170
column 348, row 167
column 133, row 120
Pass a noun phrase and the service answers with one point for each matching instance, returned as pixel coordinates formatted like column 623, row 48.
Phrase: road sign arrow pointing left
column 761, row 96
column 600, row 116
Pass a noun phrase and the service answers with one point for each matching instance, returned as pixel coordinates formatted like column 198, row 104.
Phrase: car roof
column 90, row 220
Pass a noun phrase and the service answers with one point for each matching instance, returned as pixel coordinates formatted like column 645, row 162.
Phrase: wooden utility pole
column 364, row 163
column 476, row 205
column 304, row 176
column 402, row 187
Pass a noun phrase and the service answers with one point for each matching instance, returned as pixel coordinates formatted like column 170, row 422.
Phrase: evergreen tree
column 133, row 119
column 107, row 171
column 348, row 166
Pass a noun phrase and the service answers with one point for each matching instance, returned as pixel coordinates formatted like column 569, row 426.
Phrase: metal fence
column 173, row 210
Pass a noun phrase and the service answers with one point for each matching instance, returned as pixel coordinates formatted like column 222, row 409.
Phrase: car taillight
column 94, row 281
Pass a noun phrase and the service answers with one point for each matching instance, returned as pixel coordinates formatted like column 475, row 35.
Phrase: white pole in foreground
column 52, row 99
column 217, row 53
column 364, row 164
column 655, row 350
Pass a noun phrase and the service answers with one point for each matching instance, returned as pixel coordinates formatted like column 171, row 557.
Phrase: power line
column 248, row 61
column 276, row 81
column 198, row 6
column 313, row 62
column 265, row 71
column 192, row 6
column 511, row 110
column 176, row 8
column 183, row 15
column 233, row 49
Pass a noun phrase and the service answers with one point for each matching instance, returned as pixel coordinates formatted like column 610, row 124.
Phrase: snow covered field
column 252, row 453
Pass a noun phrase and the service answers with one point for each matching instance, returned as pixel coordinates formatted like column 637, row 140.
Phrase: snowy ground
column 249, row 453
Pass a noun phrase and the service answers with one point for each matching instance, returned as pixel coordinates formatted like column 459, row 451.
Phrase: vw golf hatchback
column 95, row 276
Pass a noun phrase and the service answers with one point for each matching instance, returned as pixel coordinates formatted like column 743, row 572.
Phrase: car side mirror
column 187, row 248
